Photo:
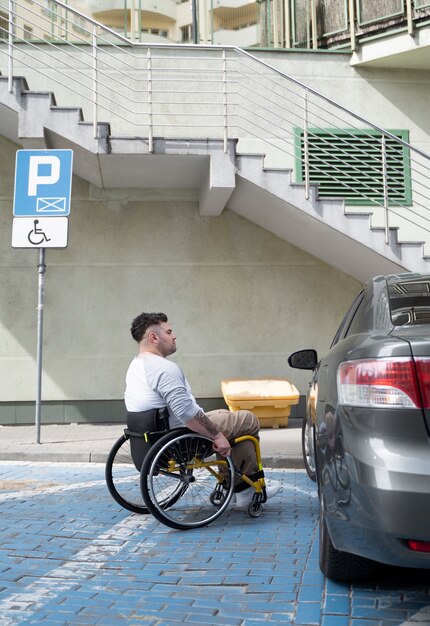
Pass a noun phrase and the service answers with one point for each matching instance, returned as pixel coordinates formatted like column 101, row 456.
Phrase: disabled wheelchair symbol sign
column 41, row 232
column 37, row 236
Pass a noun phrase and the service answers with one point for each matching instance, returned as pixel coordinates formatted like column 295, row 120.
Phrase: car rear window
column 410, row 302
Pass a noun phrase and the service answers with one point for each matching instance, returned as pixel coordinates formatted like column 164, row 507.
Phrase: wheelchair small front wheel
column 255, row 509
column 185, row 465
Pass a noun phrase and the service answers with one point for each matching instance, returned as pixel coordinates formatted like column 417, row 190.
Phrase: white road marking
column 296, row 489
column 39, row 490
column 22, row 605
column 420, row 618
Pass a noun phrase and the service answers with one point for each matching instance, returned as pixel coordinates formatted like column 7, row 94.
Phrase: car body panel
column 373, row 463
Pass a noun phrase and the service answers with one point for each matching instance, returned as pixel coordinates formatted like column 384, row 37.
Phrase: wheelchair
column 175, row 474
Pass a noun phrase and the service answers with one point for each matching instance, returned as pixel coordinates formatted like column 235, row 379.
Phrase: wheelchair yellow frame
column 257, row 484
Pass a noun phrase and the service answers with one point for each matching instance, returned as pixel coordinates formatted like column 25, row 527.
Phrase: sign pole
column 41, row 268
column 41, row 205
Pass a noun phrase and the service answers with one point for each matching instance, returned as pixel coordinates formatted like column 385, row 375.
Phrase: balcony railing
column 305, row 24
column 344, row 23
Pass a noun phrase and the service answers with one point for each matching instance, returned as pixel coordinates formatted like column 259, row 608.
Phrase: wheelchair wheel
column 179, row 477
column 255, row 509
column 122, row 477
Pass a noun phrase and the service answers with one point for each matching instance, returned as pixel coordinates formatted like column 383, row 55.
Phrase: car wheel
column 308, row 448
column 339, row 565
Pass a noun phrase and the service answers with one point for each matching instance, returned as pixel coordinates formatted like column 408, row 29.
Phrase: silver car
column 366, row 435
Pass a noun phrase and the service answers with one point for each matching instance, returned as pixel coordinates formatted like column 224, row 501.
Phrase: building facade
column 163, row 218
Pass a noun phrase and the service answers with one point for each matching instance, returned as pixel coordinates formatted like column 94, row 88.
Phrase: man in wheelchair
column 154, row 382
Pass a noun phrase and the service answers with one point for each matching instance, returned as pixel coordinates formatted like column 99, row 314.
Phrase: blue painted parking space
column 70, row 555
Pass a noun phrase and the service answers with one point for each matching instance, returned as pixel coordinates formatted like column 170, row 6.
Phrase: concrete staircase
column 237, row 181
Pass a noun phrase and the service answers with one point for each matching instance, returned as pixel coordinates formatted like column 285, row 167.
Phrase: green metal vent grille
column 349, row 164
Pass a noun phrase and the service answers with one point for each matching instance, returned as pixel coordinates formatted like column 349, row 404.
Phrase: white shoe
column 244, row 498
column 272, row 488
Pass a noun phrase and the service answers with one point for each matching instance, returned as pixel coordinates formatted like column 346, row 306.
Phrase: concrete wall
column 239, row 298
column 390, row 98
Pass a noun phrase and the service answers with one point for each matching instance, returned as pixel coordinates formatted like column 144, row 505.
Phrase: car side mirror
column 303, row 359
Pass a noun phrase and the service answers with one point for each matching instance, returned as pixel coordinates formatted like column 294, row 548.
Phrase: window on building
column 4, row 25
column 156, row 31
column 79, row 24
column 349, row 164
column 244, row 25
column 186, row 33
column 28, row 32
column 50, row 10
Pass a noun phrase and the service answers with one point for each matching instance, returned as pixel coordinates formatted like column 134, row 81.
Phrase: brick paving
column 70, row 555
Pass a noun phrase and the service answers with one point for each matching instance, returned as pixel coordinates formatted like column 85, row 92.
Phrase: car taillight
column 379, row 383
column 419, row 546
column 423, row 371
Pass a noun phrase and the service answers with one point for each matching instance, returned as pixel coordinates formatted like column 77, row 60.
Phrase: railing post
column 224, row 99
column 287, row 24
column 95, row 85
column 275, row 24
column 352, row 25
column 66, row 23
column 150, row 125
column 385, row 188
column 132, row 20
column 194, row 26
column 306, row 142
column 10, row 45
column 314, row 25
column 409, row 17
column 308, row 26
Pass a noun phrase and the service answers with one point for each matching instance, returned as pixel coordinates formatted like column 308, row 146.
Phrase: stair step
column 16, row 79
column 38, row 94
column 65, row 109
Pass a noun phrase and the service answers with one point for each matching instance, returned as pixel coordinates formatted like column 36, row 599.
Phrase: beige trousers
column 235, row 424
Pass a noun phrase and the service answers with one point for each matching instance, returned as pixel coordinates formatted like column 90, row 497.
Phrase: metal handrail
column 226, row 101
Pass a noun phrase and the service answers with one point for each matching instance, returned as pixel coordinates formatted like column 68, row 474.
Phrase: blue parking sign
column 43, row 183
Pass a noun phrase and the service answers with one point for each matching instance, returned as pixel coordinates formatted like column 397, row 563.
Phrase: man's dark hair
column 142, row 322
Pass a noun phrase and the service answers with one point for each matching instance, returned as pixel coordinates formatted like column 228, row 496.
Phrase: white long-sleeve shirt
column 153, row 382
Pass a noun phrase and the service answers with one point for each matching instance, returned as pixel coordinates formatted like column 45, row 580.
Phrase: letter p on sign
column 39, row 175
